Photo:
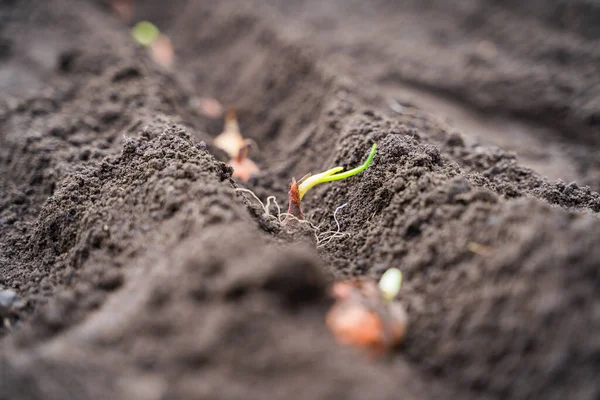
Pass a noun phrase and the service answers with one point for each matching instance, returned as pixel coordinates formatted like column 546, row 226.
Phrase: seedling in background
column 299, row 189
column 365, row 314
column 123, row 9
column 232, row 142
column 209, row 107
column 145, row 33
column 159, row 44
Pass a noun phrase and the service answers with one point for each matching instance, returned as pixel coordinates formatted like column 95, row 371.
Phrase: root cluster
column 322, row 237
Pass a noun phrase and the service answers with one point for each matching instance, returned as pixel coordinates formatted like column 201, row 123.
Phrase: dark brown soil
column 131, row 268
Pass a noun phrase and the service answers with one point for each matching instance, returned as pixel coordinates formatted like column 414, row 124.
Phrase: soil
column 132, row 268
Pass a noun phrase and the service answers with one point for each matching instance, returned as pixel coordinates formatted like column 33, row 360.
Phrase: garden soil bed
column 132, row 268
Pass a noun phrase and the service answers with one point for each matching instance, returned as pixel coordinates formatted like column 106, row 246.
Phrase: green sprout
column 299, row 189
column 390, row 283
column 145, row 33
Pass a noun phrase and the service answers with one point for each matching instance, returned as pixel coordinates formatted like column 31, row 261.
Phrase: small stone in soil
column 10, row 303
column 8, row 298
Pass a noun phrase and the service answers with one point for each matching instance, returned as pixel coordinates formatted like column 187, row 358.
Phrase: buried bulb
column 233, row 143
column 365, row 314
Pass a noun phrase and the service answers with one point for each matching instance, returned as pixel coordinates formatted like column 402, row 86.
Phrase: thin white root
column 267, row 212
column 315, row 229
column 325, row 238
column 274, row 200
column 321, row 238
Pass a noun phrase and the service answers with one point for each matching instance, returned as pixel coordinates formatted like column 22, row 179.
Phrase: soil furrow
column 141, row 273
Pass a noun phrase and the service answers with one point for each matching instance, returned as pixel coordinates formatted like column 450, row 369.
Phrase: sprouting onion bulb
column 390, row 283
column 334, row 174
column 145, row 33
